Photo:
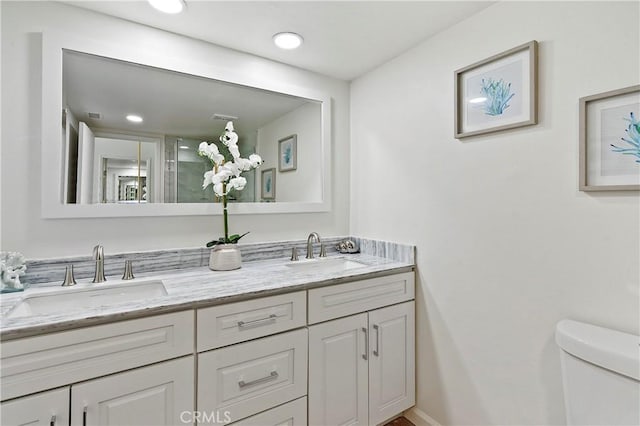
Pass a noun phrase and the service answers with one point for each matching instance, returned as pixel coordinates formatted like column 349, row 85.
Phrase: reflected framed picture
column 288, row 153
column 269, row 184
column 498, row 93
column 610, row 140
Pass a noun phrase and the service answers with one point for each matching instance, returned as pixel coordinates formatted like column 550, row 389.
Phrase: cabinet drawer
column 340, row 300
column 237, row 322
column 46, row 408
column 43, row 362
column 292, row 413
column 251, row 377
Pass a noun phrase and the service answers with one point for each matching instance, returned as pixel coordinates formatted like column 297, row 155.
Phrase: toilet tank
column 600, row 374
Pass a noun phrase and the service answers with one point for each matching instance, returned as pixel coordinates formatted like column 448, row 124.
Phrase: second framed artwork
column 610, row 140
column 497, row 93
column 288, row 153
column 268, row 179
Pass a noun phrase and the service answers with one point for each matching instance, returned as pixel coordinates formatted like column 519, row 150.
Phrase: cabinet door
column 391, row 361
column 338, row 372
column 44, row 409
column 154, row 395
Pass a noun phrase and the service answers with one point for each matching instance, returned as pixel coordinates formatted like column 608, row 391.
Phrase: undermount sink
column 97, row 295
column 325, row 264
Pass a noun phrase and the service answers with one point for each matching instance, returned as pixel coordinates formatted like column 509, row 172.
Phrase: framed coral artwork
column 610, row 140
column 268, row 191
column 288, row 153
column 497, row 93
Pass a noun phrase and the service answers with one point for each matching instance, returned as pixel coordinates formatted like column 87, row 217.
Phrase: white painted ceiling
column 343, row 39
column 170, row 103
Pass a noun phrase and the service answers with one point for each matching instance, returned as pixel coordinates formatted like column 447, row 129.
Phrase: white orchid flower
column 218, row 189
column 222, row 176
column 237, row 183
column 255, row 160
column 235, row 152
column 229, row 138
column 233, row 168
column 208, row 178
column 210, row 151
column 243, row 164
column 229, row 126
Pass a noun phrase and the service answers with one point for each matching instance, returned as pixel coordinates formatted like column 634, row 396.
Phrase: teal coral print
column 268, row 185
column 497, row 94
column 288, row 154
column 633, row 139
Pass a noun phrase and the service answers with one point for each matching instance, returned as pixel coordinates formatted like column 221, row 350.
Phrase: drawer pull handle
column 366, row 343
column 270, row 318
column 52, row 422
column 84, row 417
column 376, row 351
column 272, row 376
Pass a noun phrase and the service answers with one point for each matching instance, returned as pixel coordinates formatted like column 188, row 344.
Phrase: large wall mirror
column 101, row 164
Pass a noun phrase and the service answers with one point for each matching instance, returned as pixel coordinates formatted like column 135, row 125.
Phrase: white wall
column 304, row 183
column 507, row 245
column 22, row 227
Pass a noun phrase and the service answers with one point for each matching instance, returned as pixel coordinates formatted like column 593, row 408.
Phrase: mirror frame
column 52, row 206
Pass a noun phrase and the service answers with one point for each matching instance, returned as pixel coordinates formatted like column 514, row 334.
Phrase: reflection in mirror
column 107, row 159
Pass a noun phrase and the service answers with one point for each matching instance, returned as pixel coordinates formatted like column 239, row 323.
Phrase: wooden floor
column 400, row 421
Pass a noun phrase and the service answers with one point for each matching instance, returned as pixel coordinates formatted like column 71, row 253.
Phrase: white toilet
column 600, row 374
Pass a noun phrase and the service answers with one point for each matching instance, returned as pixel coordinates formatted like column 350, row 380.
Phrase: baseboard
column 419, row 417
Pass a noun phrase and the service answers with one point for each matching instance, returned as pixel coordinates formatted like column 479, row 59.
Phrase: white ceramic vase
column 225, row 257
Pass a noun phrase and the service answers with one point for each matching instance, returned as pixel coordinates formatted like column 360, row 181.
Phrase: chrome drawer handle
column 270, row 318
column 376, row 351
column 272, row 376
column 366, row 343
column 52, row 422
column 84, row 416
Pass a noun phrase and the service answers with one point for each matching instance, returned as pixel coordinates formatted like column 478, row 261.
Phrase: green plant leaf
column 233, row 239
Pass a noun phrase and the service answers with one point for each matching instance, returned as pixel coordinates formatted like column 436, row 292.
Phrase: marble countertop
column 188, row 289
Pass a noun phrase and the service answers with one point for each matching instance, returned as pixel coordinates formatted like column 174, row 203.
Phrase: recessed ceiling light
column 168, row 6
column 134, row 118
column 287, row 40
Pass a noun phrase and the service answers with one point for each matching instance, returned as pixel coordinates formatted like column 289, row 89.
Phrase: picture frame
column 288, row 153
column 268, row 184
column 497, row 93
column 609, row 137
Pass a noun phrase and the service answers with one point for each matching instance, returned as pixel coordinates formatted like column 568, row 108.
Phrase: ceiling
column 343, row 39
column 171, row 103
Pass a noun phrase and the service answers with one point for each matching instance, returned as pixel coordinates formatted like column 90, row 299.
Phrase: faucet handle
column 69, row 279
column 98, row 252
column 323, row 251
column 128, row 270
column 294, row 254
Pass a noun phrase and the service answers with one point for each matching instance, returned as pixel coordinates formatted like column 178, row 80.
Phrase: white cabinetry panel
column 338, row 376
column 155, row 395
column 43, row 409
column 340, row 300
column 247, row 378
column 392, row 361
column 292, row 413
column 35, row 363
column 224, row 325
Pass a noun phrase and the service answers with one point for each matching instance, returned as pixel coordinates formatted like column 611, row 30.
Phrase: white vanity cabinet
column 155, row 395
column 362, row 366
column 43, row 409
column 339, row 354
column 143, row 387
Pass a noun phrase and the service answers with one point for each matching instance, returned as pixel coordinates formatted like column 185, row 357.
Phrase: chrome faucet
column 98, row 256
column 316, row 237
